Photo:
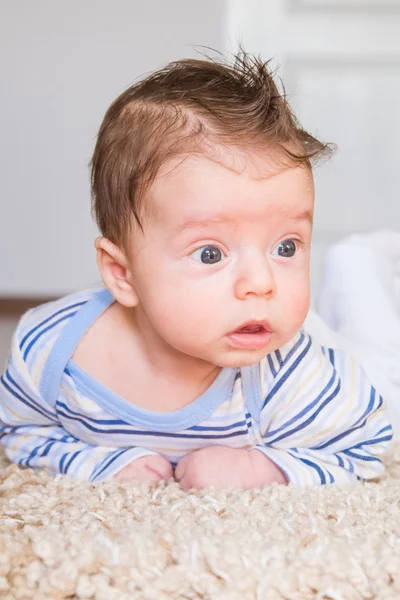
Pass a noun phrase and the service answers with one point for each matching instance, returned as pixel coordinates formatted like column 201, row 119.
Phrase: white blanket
column 359, row 309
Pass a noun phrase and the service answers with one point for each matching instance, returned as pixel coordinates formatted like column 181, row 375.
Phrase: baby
column 192, row 360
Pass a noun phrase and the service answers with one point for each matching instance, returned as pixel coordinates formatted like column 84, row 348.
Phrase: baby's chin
column 221, row 355
column 245, row 358
column 241, row 358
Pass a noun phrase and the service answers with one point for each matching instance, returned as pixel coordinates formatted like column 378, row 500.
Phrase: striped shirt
column 308, row 408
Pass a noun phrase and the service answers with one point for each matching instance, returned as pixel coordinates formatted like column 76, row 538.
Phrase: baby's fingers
column 146, row 468
column 133, row 474
column 185, row 484
column 181, row 467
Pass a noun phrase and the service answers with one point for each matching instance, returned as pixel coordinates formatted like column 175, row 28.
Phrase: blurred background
column 63, row 63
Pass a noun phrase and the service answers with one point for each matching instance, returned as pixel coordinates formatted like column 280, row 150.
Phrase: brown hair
column 179, row 109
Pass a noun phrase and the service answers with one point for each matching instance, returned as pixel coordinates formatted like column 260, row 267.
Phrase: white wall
column 62, row 64
column 64, row 61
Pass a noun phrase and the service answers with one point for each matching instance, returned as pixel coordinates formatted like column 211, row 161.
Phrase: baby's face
column 222, row 267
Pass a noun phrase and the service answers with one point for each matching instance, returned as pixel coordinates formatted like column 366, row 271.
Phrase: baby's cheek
column 181, row 316
column 302, row 308
column 297, row 310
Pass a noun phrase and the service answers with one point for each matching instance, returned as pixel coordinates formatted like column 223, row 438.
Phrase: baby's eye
column 286, row 249
column 208, row 255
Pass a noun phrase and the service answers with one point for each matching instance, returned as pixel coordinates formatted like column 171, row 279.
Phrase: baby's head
column 203, row 191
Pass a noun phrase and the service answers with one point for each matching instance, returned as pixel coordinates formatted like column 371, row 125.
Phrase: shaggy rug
column 61, row 538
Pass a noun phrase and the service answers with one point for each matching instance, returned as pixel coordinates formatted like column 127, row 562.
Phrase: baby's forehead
column 226, row 174
column 255, row 164
column 199, row 192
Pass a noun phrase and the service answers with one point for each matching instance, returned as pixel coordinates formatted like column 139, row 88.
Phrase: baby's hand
column 227, row 467
column 146, row 468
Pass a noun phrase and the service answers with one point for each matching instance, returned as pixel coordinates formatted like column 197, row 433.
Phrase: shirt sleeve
column 321, row 420
column 32, row 436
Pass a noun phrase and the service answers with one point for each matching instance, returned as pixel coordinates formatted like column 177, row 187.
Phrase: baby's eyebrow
column 306, row 215
column 198, row 222
column 194, row 222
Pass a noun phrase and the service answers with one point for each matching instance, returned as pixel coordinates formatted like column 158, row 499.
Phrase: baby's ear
column 113, row 266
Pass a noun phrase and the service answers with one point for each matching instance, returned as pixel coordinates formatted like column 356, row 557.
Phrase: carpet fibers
column 65, row 539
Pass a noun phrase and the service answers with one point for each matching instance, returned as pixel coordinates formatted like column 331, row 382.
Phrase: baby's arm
column 32, row 436
column 321, row 420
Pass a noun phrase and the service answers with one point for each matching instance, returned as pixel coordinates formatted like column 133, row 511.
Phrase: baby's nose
column 255, row 277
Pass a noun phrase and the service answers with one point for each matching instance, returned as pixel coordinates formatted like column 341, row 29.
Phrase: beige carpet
column 61, row 538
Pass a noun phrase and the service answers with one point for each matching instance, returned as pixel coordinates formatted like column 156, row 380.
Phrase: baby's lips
column 252, row 326
column 250, row 329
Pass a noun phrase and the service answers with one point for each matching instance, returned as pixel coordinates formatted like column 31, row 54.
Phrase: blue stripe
column 120, row 422
column 98, row 421
column 271, row 365
column 310, row 419
column 32, row 406
column 113, row 459
column 279, row 357
column 51, row 444
column 16, row 428
column 282, row 380
column 62, row 461
column 219, row 428
column 370, row 405
column 305, row 410
column 153, row 433
column 32, row 331
column 349, row 431
column 106, row 457
column 34, row 452
column 386, row 438
column 340, row 460
column 360, row 457
column 316, row 467
column 294, row 349
column 51, row 415
column 338, row 437
column 71, row 459
column 387, row 428
column 6, row 428
column 39, row 335
column 331, row 356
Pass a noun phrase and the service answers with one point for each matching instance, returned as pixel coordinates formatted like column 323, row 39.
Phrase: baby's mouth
column 250, row 329
column 253, row 335
column 254, row 327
